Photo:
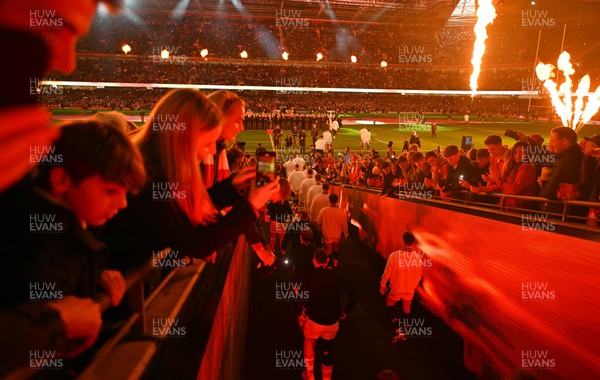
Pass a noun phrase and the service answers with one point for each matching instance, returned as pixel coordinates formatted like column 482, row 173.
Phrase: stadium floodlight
column 285, row 55
column 164, row 54
column 204, row 53
column 126, row 48
column 244, row 54
column 319, row 56
column 383, row 64
column 353, row 59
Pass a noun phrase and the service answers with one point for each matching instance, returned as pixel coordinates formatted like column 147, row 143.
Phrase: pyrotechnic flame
column 566, row 67
column 544, row 72
column 486, row 13
column 582, row 90
column 591, row 107
column 576, row 115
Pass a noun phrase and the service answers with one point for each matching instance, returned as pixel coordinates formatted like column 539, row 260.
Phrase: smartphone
column 265, row 168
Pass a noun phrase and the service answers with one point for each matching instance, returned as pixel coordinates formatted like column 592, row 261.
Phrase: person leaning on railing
column 44, row 326
column 518, row 178
column 422, row 169
column 58, row 256
column 215, row 168
column 174, row 209
column 460, row 171
column 565, row 174
column 362, row 180
column 439, row 170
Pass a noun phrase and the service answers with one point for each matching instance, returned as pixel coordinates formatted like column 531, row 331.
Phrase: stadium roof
column 405, row 11
column 432, row 12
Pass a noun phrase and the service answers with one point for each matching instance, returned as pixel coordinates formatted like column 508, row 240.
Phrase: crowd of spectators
column 562, row 169
column 420, row 56
column 186, row 71
column 108, row 99
column 266, row 103
column 267, row 38
column 166, row 184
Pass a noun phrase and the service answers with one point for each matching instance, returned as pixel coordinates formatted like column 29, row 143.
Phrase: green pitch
column 447, row 133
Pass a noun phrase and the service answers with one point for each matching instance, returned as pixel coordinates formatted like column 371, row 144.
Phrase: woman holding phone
column 215, row 167
column 174, row 209
column 233, row 108
column 518, row 179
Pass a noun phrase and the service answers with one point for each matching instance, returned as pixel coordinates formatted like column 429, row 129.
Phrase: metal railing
column 465, row 199
column 138, row 303
column 227, row 326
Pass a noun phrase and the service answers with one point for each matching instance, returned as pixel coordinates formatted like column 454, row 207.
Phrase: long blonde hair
column 169, row 140
column 225, row 100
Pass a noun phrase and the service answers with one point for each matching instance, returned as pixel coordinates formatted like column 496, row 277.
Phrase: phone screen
column 265, row 168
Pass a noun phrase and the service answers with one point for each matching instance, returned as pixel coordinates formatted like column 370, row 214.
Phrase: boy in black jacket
column 81, row 181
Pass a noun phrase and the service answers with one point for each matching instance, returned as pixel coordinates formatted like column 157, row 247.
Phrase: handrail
column 131, row 278
column 514, row 258
column 224, row 353
column 501, row 206
column 138, row 302
column 135, row 342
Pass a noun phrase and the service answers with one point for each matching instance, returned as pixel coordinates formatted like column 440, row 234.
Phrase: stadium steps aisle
column 363, row 346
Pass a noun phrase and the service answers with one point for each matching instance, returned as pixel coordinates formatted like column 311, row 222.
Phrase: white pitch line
column 385, row 142
column 272, row 142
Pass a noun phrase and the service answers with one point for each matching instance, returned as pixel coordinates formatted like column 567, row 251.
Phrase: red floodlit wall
column 527, row 299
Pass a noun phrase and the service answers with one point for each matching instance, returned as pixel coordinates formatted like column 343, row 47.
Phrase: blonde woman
column 175, row 209
column 216, row 167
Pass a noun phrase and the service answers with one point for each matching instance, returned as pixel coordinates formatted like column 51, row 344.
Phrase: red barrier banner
column 524, row 296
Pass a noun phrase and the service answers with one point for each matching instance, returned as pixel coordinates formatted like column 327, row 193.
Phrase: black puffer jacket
column 567, row 169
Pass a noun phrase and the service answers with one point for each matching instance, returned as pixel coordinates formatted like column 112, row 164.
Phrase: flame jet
column 486, row 13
